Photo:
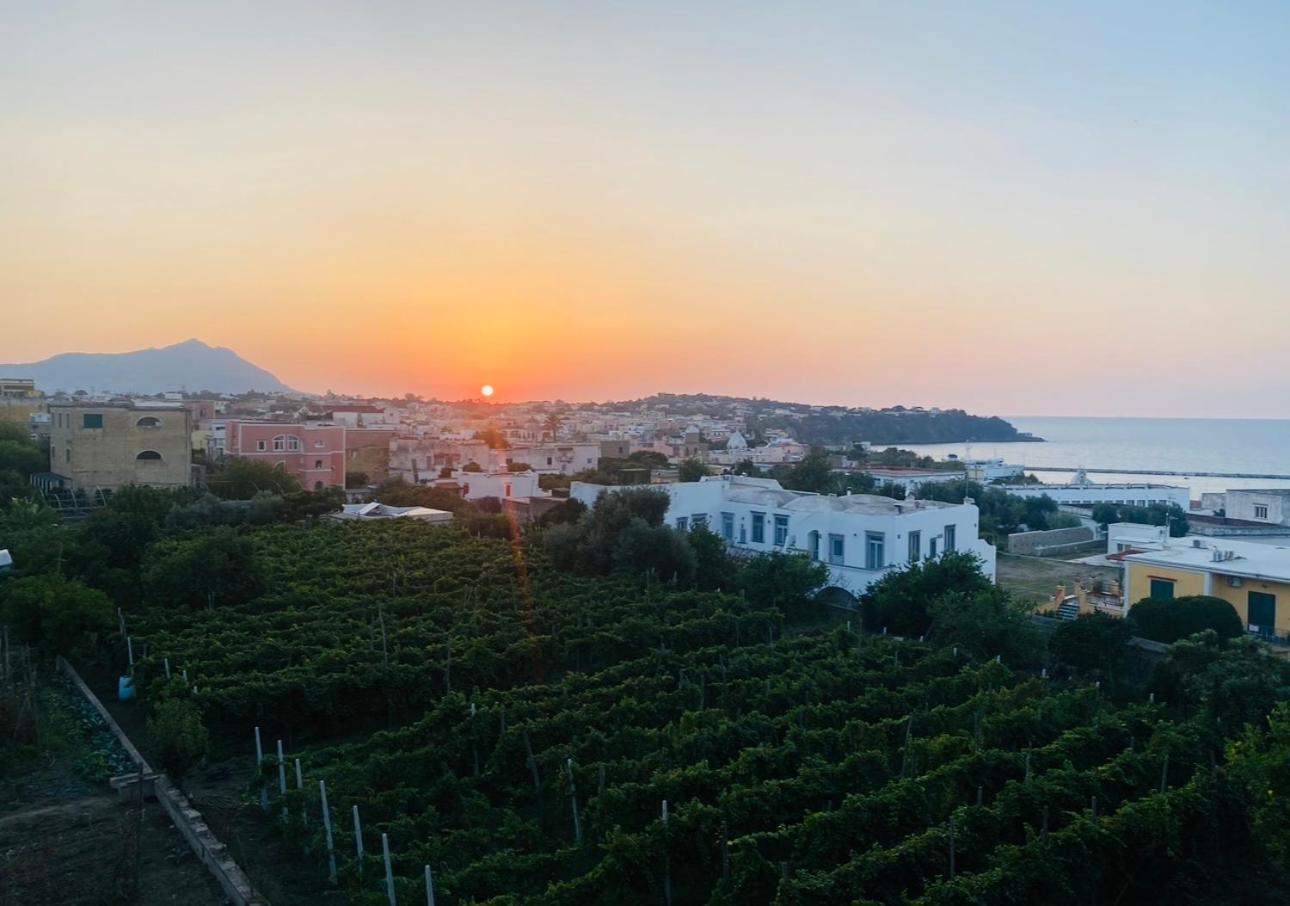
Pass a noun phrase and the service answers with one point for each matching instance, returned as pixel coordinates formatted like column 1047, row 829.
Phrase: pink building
column 315, row 454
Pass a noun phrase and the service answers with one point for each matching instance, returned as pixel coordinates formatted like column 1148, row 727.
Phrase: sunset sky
column 1016, row 208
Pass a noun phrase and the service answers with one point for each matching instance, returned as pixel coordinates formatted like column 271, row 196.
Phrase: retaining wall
column 213, row 854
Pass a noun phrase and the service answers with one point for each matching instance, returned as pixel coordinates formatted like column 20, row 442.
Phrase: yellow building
column 1253, row 578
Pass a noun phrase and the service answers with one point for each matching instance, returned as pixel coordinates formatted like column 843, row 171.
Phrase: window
column 318, row 485
column 280, row 442
column 1260, row 511
column 259, row 445
column 317, row 463
column 837, row 549
column 728, row 526
column 69, row 454
column 949, row 538
column 148, row 422
column 149, row 456
column 92, row 420
column 682, row 524
column 293, row 442
column 874, row 553
column 699, row 519
column 781, row 531
column 507, row 489
column 931, row 549
column 1262, row 615
column 915, row 546
column 1162, row 589
column 759, row 528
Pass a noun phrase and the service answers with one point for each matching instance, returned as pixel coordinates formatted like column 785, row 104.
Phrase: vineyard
column 535, row 737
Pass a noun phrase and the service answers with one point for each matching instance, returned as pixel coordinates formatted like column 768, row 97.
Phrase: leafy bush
column 218, row 567
column 1169, row 621
column 1094, row 644
column 177, row 737
column 901, row 601
column 58, row 614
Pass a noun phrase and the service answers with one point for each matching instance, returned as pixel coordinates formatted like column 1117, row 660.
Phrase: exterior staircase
column 1068, row 609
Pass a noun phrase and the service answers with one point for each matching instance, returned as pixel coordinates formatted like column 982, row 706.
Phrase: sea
column 1103, row 445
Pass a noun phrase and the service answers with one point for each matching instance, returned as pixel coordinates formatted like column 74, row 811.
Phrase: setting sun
column 486, row 390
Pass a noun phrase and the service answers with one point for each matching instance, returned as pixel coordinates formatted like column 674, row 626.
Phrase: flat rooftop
column 1248, row 560
column 803, row 502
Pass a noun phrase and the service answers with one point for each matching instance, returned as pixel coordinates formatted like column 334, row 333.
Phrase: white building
column 1093, row 494
column 1270, row 506
column 499, row 484
column 860, row 536
column 987, row 470
column 777, row 452
column 556, row 458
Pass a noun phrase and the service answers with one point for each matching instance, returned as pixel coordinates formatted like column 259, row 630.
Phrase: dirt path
column 97, row 850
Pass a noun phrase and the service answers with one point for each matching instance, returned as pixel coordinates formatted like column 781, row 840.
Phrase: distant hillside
column 837, row 425
column 191, row 365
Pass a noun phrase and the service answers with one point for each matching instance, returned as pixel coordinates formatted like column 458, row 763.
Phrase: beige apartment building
column 107, row 445
column 19, row 400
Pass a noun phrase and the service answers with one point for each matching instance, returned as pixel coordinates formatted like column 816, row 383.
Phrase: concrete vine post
column 667, row 861
column 282, row 779
column 300, row 785
column 573, row 800
column 326, row 814
column 389, row 870
column 358, row 840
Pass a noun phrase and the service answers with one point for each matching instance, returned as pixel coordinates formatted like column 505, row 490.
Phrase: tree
column 611, row 514
column 1261, row 763
column 784, row 581
column 901, row 600
column 813, row 473
column 472, row 467
column 241, row 478
column 1169, row 621
column 1094, row 644
column 35, row 537
column 691, row 469
column 714, row 569
column 356, row 479
column 566, row 511
column 177, row 737
column 216, row 567
column 518, row 467
column 494, row 438
column 654, row 549
column 60, row 615
column 986, row 623
column 747, row 467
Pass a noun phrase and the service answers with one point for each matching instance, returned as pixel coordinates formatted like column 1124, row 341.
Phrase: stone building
column 106, row 445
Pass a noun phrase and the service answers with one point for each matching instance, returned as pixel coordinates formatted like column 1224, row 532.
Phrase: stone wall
column 1036, row 544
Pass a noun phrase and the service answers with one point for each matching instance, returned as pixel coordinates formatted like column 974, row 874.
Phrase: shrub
column 1169, row 621
column 177, row 737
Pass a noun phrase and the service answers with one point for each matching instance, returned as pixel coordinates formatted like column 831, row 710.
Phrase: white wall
column 708, row 500
column 1129, row 495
